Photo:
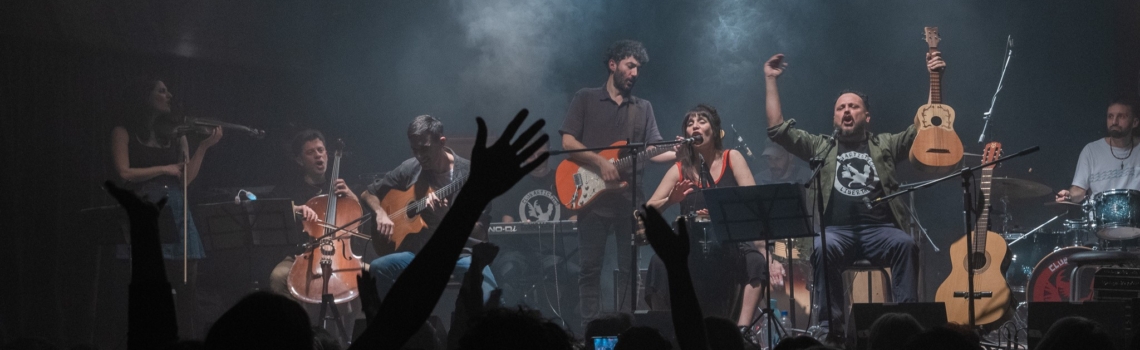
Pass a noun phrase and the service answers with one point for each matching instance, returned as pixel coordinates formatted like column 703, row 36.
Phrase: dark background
column 361, row 70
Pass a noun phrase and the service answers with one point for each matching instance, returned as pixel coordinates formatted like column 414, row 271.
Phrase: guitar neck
column 626, row 162
column 935, row 85
column 983, row 218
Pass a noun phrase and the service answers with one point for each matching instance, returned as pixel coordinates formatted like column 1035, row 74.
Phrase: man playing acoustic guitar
column 434, row 171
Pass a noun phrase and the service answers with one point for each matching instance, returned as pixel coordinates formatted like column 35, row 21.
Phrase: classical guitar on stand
column 404, row 208
column 990, row 262
column 578, row 185
column 936, row 148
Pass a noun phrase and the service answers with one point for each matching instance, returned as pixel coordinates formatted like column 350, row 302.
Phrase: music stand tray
column 258, row 223
column 757, row 213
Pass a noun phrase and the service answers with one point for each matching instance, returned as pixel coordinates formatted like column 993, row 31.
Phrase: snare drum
column 1116, row 214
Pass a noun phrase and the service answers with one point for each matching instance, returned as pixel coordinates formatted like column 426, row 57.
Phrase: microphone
column 867, row 201
column 695, row 139
column 248, row 195
column 834, row 134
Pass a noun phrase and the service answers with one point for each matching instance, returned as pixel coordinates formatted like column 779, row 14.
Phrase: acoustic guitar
column 577, row 186
column 936, row 148
column 404, row 208
column 990, row 262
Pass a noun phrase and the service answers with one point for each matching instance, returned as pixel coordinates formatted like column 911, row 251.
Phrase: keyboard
column 527, row 228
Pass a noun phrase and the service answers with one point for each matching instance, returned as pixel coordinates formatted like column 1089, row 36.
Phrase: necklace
column 1131, row 145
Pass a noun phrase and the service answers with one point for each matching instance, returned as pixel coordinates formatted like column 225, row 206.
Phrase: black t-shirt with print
column 856, row 178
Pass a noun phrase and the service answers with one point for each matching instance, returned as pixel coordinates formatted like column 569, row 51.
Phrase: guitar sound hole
column 979, row 261
column 936, row 120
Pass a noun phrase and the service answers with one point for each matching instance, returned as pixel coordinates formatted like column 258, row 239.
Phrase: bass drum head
column 1050, row 278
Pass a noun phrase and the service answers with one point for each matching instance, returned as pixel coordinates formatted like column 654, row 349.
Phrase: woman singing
column 720, row 168
column 152, row 160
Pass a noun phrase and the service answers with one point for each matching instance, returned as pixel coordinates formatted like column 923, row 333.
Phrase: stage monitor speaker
column 929, row 315
column 1114, row 316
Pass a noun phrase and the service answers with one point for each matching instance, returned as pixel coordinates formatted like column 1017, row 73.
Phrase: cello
column 330, row 245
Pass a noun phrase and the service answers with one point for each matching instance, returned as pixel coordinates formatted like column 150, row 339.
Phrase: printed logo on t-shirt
column 855, row 174
column 540, row 205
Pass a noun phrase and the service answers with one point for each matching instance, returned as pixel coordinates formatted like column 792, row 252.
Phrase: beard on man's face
column 1118, row 133
column 623, row 82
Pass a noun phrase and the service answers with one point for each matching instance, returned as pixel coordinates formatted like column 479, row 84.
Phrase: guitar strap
column 634, row 125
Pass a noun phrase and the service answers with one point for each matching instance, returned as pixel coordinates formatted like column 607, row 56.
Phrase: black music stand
column 759, row 213
column 227, row 226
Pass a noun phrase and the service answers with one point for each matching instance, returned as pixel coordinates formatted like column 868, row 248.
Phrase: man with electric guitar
column 409, row 202
column 592, row 182
column 857, row 165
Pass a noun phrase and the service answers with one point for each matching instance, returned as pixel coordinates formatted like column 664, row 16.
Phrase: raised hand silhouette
column 136, row 206
column 672, row 248
column 151, row 320
column 498, row 167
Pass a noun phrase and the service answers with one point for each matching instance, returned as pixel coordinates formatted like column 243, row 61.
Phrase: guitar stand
column 967, row 203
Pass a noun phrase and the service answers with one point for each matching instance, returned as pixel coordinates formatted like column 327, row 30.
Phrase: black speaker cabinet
column 928, row 315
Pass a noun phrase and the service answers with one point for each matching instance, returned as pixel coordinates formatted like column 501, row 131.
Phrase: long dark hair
column 686, row 154
column 135, row 111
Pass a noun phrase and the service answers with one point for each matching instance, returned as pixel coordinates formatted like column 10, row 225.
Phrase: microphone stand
column 817, row 165
column 990, row 113
column 633, row 257
column 967, row 174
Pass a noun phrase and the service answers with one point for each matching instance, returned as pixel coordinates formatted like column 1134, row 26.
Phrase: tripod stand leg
column 327, row 305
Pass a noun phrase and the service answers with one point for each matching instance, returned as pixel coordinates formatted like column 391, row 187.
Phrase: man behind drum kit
column 1108, row 163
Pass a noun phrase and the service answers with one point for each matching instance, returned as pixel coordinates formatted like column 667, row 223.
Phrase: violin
column 328, row 265
column 201, row 126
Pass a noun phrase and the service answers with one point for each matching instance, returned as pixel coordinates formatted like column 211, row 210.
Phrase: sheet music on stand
column 258, row 223
column 756, row 213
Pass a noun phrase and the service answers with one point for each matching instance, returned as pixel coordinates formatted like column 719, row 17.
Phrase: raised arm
column 673, row 249
column 151, row 321
column 772, row 70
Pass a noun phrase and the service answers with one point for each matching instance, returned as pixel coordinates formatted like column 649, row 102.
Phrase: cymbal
column 1019, row 188
column 1058, row 208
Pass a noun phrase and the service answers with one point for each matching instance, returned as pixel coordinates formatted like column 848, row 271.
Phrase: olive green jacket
column 886, row 150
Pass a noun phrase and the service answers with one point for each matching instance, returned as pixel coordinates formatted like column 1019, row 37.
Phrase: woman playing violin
column 152, row 160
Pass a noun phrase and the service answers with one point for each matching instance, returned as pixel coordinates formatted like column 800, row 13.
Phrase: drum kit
column 1039, row 271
